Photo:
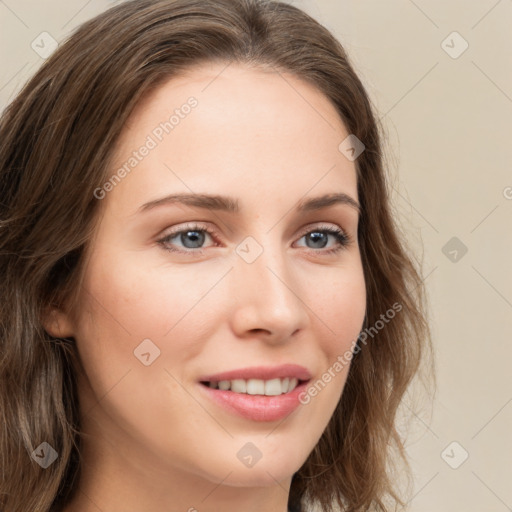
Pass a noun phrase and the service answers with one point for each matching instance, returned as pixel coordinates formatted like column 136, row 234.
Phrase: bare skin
column 152, row 439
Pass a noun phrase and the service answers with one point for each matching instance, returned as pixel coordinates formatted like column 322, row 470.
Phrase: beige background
column 449, row 125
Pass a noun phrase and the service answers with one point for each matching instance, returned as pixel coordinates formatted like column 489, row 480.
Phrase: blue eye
column 193, row 237
column 319, row 238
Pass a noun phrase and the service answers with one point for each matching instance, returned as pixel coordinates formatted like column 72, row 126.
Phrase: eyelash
column 343, row 239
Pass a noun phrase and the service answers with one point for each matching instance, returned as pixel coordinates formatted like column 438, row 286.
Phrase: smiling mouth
column 270, row 387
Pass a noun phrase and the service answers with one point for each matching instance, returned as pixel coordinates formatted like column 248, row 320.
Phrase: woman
column 196, row 231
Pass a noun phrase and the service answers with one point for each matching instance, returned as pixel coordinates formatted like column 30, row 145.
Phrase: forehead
column 230, row 127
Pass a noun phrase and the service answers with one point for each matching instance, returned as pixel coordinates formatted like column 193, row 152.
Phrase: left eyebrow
column 231, row 205
column 317, row 203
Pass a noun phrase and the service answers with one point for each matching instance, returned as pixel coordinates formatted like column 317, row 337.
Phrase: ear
column 57, row 323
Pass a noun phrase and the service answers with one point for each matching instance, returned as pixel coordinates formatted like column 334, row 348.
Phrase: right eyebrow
column 206, row 201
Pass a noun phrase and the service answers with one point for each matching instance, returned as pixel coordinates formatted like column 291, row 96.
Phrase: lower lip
column 257, row 407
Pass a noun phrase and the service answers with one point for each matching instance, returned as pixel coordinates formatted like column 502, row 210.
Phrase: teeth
column 238, row 386
column 255, row 387
column 272, row 387
column 224, row 384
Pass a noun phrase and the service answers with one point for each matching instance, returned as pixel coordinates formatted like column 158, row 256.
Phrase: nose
column 267, row 299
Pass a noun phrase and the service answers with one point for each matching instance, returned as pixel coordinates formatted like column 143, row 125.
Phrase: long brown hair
column 57, row 138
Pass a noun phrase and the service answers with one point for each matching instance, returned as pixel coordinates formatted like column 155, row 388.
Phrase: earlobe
column 57, row 324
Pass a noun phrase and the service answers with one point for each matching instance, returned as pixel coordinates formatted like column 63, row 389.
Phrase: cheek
column 141, row 300
column 341, row 308
column 123, row 307
column 337, row 313
column 180, row 309
column 130, row 301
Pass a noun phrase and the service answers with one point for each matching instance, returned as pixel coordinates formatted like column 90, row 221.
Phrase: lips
column 262, row 373
column 257, row 393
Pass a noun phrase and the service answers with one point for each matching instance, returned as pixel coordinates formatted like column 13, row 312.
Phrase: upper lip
column 261, row 372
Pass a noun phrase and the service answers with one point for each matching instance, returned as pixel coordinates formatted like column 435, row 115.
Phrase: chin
column 275, row 464
column 259, row 477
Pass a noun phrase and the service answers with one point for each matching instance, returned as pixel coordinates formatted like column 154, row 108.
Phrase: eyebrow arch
column 206, row 201
column 317, row 203
column 228, row 204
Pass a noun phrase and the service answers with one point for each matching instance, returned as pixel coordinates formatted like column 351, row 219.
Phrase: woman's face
column 250, row 281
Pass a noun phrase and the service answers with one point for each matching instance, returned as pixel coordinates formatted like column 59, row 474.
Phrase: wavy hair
column 57, row 138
